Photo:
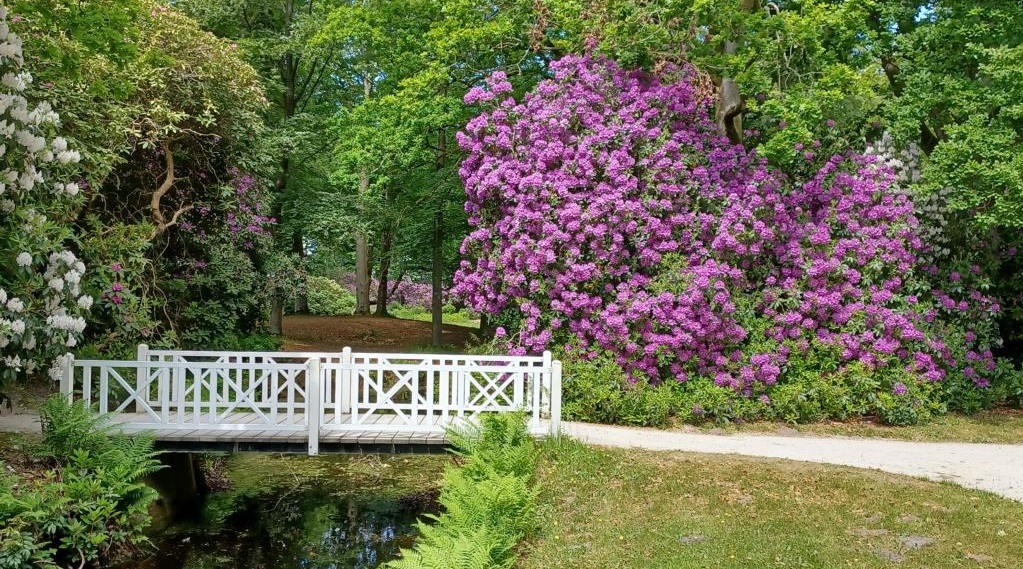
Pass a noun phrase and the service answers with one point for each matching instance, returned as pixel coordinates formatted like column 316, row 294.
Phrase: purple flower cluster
column 607, row 211
column 406, row 292
column 244, row 214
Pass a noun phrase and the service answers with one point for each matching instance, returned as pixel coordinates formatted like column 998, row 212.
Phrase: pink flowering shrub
column 405, row 292
column 608, row 216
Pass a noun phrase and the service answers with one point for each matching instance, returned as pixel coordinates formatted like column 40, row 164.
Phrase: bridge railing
column 320, row 392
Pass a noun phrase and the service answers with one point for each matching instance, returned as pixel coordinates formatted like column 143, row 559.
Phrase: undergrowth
column 488, row 500
column 91, row 504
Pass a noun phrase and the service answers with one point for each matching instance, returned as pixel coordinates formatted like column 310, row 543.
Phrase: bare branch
column 162, row 225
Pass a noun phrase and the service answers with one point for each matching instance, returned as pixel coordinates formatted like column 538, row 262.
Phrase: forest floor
column 379, row 334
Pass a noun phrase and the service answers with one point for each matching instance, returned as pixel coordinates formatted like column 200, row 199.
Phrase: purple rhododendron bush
column 611, row 222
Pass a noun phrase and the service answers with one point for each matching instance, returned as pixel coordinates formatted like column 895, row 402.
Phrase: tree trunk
column 485, row 330
column 361, row 272
column 730, row 106
column 288, row 71
column 301, row 299
column 277, row 316
column 386, row 239
column 437, row 299
column 362, row 235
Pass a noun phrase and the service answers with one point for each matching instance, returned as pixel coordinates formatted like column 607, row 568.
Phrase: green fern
column 437, row 549
column 489, row 502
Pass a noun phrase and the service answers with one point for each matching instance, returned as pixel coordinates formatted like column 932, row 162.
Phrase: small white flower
column 7, row 206
column 24, row 259
column 71, row 342
column 72, row 277
column 15, row 305
column 29, row 343
column 85, row 302
column 71, row 189
column 68, row 156
column 3, row 296
column 56, row 284
column 18, row 327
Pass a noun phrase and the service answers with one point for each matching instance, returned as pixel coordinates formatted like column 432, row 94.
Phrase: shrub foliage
column 91, row 505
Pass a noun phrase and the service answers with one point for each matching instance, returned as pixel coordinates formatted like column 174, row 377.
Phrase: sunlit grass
column 635, row 509
column 416, row 313
column 1001, row 426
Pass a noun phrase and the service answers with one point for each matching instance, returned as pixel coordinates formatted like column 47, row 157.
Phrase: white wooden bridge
column 312, row 401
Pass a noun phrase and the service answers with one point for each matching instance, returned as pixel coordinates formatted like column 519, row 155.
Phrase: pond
column 299, row 512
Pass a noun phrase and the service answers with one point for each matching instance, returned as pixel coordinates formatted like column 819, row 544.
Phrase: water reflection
column 314, row 525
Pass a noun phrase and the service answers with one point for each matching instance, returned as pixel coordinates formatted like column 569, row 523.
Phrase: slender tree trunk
column 386, row 239
column 361, row 236
column 485, row 330
column 437, row 300
column 361, row 272
column 301, row 299
column 277, row 316
column 730, row 106
column 289, row 74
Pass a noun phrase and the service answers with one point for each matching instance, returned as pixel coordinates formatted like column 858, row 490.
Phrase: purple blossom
column 606, row 212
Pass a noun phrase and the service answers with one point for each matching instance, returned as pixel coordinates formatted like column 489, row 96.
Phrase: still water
column 303, row 513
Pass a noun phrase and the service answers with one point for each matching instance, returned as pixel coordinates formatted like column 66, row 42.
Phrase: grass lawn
column 635, row 509
column 456, row 319
column 999, row 426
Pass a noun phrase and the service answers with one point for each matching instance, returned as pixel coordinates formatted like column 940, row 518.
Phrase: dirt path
column 332, row 333
column 991, row 467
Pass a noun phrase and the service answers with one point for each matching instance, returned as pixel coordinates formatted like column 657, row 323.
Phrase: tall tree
column 276, row 37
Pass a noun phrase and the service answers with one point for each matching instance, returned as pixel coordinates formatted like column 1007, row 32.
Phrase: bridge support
column 181, row 485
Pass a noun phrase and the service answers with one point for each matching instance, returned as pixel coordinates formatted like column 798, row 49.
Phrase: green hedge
column 489, row 501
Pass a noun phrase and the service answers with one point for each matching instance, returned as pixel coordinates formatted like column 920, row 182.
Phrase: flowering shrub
column 405, row 292
column 215, row 274
column 607, row 214
column 41, row 298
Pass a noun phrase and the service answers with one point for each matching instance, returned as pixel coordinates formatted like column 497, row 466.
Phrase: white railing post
column 312, row 404
column 538, row 383
column 556, row 397
column 346, row 391
column 67, row 378
column 142, row 378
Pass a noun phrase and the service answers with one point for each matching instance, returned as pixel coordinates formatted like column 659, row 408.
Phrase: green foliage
column 92, row 505
column 327, row 297
column 597, row 390
column 489, row 501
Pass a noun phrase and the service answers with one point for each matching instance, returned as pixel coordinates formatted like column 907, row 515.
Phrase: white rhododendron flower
column 41, row 311
column 15, row 305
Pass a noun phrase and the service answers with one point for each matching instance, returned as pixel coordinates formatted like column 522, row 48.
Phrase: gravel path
column 992, row 467
column 19, row 422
